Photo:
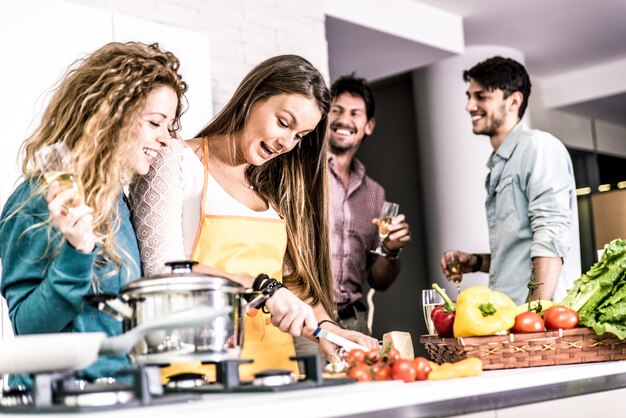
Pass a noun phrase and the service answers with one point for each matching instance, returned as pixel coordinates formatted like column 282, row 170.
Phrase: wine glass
column 453, row 265
column 55, row 163
column 389, row 211
column 430, row 300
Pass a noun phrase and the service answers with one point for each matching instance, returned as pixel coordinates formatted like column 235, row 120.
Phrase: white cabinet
column 607, row 404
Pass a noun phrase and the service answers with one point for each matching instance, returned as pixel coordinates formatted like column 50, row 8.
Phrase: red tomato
column 392, row 355
column 422, row 368
column 560, row 317
column 403, row 369
column 381, row 371
column 355, row 356
column 372, row 356
column 528, row 322
column 360, row 372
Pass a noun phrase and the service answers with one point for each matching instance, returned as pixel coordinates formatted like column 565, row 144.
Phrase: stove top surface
column 66, row 393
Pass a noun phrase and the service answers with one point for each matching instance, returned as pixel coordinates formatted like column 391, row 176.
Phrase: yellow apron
column 237, row 245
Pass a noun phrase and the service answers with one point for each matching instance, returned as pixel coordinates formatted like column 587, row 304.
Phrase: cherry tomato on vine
column 391, row 356
column 372, row 356
column 422, row 368
column 528, row 322
column 560, row 317
column 403, row 369
column 381, row 371
column 355, row 356
column 360, row 372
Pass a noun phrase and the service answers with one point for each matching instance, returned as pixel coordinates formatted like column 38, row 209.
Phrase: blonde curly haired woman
column 114, row 110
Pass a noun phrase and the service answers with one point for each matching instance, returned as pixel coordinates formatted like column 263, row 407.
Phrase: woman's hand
column 74, row 223
column 354, row 336
column 290, row 314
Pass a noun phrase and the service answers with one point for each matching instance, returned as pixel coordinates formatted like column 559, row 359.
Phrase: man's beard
column 337, row 148
column 491, row 129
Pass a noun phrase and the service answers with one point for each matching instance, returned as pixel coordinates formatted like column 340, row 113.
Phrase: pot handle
column 122, row 344
column 258, row 300
column 110, row 304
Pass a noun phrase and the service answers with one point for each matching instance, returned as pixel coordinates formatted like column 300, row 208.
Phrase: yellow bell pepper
column 481, row 311
column 471, row 366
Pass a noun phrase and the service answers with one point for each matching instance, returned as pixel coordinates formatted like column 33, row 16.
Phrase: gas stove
column 67, row 392
column 275, row 380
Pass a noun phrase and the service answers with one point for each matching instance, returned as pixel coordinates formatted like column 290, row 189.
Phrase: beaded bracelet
column 269, row 287
column 256, row 285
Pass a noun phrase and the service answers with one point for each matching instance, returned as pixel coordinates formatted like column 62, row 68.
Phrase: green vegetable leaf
column 599, row 295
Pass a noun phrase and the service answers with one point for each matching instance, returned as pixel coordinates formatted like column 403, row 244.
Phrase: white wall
column 575, row 131
column 242, row 32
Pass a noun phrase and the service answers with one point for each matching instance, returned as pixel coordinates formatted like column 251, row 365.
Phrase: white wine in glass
column 454, row 267
column 430, row 300
column 383, row 226
column 389, row 211
column 55, row 163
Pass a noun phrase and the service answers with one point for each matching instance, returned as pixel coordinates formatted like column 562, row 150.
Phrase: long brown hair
column 94, row 111
column 296, row 183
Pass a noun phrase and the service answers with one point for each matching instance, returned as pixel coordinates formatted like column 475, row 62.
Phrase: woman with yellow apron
column 265, row 152
column 244, row 245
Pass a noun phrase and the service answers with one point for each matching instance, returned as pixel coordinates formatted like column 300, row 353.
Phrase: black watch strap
column 479, row 263
column 390, row 254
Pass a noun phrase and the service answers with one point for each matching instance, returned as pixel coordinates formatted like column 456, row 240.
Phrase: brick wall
column 242, row 32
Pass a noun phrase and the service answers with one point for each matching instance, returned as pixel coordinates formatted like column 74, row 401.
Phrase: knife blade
column 336, row 339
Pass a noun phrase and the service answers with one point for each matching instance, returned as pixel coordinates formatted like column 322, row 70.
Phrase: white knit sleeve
column 157, row 200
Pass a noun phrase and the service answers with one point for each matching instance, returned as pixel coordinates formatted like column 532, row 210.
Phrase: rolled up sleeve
column 550, row 190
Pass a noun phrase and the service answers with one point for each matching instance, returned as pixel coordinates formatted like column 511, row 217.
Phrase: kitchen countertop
column 492, row 390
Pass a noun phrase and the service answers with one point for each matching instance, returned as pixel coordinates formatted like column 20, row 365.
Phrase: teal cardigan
column 44, row 293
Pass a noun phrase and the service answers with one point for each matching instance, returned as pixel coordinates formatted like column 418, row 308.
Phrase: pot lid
column 180, row 280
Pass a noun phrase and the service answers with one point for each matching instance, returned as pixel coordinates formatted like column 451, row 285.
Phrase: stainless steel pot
column 63, row 352
column 153, row 297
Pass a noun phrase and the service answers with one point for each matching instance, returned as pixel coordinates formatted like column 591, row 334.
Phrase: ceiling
column 556, row 37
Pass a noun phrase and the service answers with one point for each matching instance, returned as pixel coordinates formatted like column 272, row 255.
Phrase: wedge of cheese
column 401, row 341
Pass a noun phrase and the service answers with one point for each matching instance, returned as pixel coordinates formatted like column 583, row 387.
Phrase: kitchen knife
column 336, row 339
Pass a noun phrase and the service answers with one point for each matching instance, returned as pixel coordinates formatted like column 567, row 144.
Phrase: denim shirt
column 531, row 210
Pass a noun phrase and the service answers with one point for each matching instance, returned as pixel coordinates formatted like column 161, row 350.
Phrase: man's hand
column 399, row 233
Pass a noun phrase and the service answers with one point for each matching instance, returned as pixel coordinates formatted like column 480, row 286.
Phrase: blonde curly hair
column 94, row 111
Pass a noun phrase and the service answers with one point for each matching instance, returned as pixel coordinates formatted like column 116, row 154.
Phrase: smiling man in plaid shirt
column 356, row 204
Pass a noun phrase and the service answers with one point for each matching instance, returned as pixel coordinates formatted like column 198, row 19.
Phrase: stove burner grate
column 63, row 392
column 227, row 379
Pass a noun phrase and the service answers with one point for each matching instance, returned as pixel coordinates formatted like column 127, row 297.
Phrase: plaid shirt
column 353, row 234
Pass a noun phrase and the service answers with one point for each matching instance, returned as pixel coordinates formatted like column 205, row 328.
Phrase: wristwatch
column 390, row 254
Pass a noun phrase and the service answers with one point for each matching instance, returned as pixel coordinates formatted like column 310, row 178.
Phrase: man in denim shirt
column 531, row 200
